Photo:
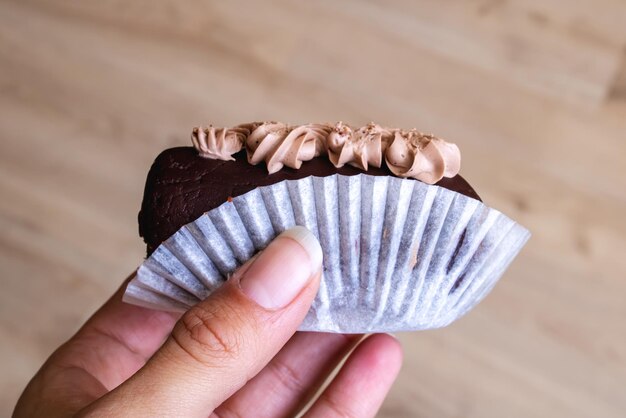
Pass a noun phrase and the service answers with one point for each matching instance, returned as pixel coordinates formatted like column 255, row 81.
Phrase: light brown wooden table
column 534, row 93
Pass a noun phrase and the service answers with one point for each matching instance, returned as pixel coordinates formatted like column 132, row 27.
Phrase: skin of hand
column 235, row 354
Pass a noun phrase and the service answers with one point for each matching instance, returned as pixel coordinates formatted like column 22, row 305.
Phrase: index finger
column 121, row 334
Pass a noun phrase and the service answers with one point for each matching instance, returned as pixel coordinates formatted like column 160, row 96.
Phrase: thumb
column 223, row 341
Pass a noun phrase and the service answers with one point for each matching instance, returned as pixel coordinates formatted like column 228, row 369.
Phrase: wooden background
column 534, row 93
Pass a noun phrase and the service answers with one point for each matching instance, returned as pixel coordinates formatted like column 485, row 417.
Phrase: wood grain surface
column 534, row 93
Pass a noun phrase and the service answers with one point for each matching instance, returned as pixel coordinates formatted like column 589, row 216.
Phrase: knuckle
column 287, row 376
column 208, row 334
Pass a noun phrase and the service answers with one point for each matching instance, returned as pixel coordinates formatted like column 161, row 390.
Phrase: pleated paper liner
column 398, row 254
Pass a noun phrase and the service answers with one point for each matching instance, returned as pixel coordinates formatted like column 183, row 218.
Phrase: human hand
column 235, row 354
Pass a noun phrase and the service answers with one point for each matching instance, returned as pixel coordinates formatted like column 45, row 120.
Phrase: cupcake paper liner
column 398, row 254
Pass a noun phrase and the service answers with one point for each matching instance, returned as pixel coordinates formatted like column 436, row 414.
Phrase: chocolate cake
column 183, row 183
column 398, row 252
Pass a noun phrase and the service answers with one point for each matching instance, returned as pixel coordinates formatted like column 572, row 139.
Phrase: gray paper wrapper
column 398, row 254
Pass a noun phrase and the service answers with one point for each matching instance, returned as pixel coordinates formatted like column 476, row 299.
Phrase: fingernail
column 283, row 269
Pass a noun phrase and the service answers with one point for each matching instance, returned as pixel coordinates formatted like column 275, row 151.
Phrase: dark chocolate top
column 181, row 186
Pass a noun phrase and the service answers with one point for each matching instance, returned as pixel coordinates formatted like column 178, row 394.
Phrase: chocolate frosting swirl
column 221, row 143
column 406, row 153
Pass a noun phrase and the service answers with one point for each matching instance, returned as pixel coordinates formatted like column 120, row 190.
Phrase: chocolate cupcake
column 407, row 242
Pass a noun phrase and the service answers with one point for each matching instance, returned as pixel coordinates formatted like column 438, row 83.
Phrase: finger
column 287, row 383
column 118, row 334
column 114, row 343
column 362, row 384
column 222, row 342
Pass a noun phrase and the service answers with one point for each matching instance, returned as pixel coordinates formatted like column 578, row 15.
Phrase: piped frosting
column 406, row 153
